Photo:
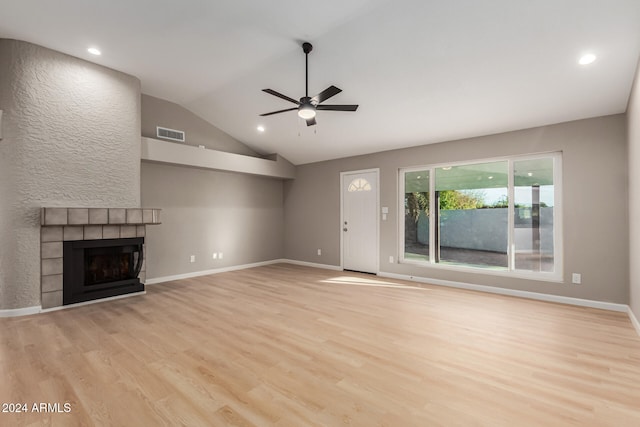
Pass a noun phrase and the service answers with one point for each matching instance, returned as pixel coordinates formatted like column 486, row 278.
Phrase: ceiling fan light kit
column 306, row 110
column 307, row 106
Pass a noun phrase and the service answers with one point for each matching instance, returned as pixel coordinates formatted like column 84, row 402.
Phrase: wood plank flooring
column 285, row 345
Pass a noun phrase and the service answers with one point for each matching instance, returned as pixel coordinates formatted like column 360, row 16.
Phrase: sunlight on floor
column 361, row 281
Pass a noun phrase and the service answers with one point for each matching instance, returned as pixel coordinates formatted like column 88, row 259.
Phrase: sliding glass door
column 498, row 215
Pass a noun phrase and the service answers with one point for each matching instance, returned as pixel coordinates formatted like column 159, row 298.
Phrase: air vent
column 172, row 134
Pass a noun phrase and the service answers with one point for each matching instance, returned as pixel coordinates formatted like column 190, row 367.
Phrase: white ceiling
column 422, row 71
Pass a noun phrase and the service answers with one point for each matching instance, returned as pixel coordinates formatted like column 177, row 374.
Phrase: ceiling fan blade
column 326, row 94
column 279, row 95
column 279, row 111
column 311, row 121
column 337, row 107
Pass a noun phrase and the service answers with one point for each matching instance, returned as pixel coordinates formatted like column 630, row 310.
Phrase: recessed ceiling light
column 587, row 59
column 94, row 51
column 529, row 173
column 260, row 128
column 446, row 168
column 490, row 177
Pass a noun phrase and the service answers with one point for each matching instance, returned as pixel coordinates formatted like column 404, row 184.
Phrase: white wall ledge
column 155, row 150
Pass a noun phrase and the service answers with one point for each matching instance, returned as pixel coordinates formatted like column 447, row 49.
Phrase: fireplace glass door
column 96, row 269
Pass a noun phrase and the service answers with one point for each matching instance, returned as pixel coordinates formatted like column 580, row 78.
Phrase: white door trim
column 377, row 239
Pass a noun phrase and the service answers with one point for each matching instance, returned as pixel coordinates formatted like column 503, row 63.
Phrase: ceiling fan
column 307, row 106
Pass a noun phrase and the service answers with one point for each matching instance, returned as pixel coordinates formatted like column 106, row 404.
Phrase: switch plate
column 385, row 210
column 192, row 259
column 215, row 255
column 319, row 252
column 576, row 278
column 391, row 259
column 219, row 255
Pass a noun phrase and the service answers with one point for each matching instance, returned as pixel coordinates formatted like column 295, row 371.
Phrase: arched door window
column 359, row 184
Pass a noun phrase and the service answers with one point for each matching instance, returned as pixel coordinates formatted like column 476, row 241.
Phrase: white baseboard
column 312, row 264
column 634, row 320
column 38, row 309
column 20, row 311
column 95, row 301
column 163, row 279
column 512, row 292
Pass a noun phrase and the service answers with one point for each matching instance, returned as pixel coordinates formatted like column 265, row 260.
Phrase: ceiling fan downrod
column 306, row 48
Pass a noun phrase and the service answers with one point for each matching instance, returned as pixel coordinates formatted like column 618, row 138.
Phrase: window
column 359, row 184
column 472, row 214
column 534, row 202
column 416, row 208
column 497, row 216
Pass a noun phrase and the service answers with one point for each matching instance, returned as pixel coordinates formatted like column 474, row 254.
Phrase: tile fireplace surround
column 63, row 224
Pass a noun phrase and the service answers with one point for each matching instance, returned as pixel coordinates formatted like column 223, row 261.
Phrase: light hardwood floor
column 285, row 345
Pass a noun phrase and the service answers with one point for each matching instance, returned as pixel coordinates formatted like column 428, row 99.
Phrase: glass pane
column 533, row 216
column 473, row 214
column 359, row 184
column 416, row 215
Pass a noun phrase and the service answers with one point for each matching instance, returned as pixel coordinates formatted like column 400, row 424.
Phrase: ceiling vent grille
column 172, row 134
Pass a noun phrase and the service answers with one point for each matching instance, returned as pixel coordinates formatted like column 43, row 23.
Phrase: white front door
column 360, row 221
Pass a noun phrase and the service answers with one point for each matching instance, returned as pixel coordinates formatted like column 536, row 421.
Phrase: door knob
column 344, row 229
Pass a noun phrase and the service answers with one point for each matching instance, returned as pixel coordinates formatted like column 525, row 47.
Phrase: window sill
column 491, row 271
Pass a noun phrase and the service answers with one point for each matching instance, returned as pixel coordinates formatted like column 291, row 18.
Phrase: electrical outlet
column 391, row 259
column 576, row 278
column 215, row 255
column 319, row 252
column 219, row 255
column 193, row 258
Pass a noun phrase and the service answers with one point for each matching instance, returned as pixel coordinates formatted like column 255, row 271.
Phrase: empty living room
column 367, row 213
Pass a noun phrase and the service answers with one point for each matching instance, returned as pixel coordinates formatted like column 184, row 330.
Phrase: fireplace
column 94, row 269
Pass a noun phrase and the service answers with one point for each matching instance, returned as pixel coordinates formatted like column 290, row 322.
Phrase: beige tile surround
column 66, row 224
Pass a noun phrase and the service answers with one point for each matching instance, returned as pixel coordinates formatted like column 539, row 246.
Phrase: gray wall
column 205, row 211
column 71, row 138
column 633, row 123
column 159, row 112
column 594, row 169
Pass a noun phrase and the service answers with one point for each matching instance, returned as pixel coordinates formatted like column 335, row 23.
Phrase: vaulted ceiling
column 421, row 71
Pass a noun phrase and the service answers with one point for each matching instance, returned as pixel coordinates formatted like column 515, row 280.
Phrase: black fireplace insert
column 94, row 269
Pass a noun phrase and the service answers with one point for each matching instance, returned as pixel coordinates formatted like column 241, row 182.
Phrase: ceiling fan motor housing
column 308, row 100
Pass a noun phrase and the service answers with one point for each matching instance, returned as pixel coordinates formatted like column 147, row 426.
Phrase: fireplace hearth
column 94, row 269
column 105, row 275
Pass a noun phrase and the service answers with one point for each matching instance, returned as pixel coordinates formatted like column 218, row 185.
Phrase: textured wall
column 207, row 211
column 633, row 127
column 595, row 235
column 71, row 138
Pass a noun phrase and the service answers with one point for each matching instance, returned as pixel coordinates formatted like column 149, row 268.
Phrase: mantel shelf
column 50, row 216
column 155, row 150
